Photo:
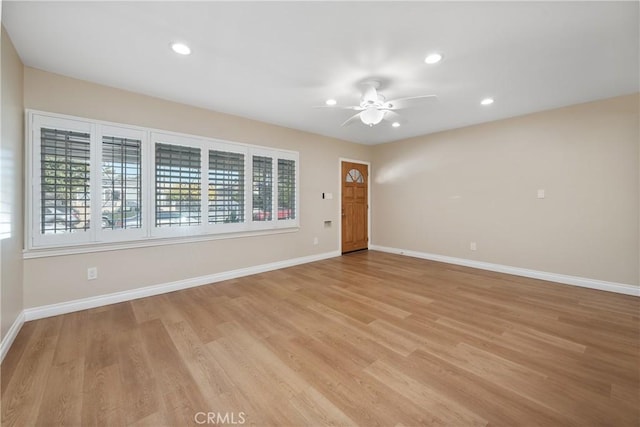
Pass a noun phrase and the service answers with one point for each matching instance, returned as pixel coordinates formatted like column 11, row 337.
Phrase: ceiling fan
column 374, row 107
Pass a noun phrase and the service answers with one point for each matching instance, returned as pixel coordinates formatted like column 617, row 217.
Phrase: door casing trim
column 362, row 162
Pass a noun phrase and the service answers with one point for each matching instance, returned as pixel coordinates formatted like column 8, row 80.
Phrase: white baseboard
column 101, row 300
column 602, row 285
column 12, row 333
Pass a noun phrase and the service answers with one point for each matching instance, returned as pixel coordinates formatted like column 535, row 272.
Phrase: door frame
column 362, row 162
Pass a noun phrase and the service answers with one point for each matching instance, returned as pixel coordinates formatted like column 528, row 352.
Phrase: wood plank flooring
column 365, row 339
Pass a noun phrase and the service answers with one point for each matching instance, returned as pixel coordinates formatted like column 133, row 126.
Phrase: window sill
column 148, row 242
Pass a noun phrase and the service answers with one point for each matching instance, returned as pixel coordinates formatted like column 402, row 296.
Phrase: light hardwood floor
column 364, row 339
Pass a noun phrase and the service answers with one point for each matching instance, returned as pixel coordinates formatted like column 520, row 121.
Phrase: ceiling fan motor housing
column 374, row 108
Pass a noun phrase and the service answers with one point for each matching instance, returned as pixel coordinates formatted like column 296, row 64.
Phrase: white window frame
column 288, row 222
column 232, row 227
column 270, row 223
column 184, row 230
column 95, row 239
column 108, row 235
column 34, row 185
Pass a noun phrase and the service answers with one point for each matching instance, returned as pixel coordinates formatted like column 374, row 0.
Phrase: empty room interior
column 320, row 213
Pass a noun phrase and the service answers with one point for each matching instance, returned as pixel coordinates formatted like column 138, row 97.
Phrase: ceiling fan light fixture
column 180, row 48
column 433, row 58
column 487, row 101
column 374, row 107
column 371, row 116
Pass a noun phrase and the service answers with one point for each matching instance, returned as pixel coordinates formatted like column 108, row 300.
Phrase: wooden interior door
column 355, row 207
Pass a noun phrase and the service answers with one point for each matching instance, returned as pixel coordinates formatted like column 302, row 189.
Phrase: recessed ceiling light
column 181, row 48
column 433, row 58
column 487, row 101
column 395, row 124
column 331, row 102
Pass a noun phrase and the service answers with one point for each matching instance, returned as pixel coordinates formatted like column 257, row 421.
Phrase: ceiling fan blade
column 338, row 107
column 391, row 115
column 351, row 119
column 370, row 95
column 406, row 102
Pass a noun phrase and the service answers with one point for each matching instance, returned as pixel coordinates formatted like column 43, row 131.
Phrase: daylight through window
column 93, row 182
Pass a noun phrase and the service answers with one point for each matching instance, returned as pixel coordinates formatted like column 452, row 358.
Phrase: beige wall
column 438, row 193
column 63, row 278
column 432, row 194
column 11, row 201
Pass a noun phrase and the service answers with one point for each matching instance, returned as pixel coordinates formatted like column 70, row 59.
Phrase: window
column 262, row 188
column 286, row 189
column 93, row 182
column 121, row 183
column 64, row 181
column 178, row 191
column 354, row 175
column 226, row 187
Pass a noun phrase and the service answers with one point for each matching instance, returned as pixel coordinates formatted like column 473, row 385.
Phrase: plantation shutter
column 262, row 188
column 121, row 182
column 64, row 181
column 178, row 186
column 226, row 187
column 286, row 189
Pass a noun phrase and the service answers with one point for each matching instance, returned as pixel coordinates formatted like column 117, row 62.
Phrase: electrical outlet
column 315, row 240
column 92, row 273
column 473, row 246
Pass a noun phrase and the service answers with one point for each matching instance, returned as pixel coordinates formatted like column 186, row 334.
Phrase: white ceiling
column 275, row 61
